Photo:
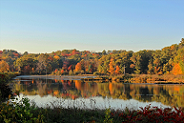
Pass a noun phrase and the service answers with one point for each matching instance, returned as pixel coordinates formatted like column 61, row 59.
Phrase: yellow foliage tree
column 56, row 57
column 4, row 67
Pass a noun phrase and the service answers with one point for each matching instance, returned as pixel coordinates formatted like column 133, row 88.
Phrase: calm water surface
column 72, row 92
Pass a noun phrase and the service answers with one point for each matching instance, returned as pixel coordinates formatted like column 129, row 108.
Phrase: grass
column 156, row 79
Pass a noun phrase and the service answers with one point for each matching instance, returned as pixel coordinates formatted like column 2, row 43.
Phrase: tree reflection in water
column 171, row 95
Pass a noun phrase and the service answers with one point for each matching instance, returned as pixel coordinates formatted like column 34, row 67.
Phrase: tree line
column 168, row 60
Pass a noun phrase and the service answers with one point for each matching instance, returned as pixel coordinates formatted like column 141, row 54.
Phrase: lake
column 70, row 91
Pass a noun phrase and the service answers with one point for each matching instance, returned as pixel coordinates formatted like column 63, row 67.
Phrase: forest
column 168, row 60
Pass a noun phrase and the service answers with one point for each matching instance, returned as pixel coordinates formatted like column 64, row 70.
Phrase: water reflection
column 76, row 90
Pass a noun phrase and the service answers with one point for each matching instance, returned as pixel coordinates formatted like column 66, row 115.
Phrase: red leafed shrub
column 151, row 114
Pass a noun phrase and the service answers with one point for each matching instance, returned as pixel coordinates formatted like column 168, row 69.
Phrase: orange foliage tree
column 62, row 71
column 179, row 62
column 111, row 66
column 176, row 69
column 117, row 71
column 78, row 67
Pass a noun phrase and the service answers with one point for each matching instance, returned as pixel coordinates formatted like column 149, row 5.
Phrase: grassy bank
column 22, row 111
column 139, row 78
column 158, row 79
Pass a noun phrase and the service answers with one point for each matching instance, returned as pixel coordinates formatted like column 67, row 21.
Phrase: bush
column 3, row 78
column 19, row 111
column 4, row 88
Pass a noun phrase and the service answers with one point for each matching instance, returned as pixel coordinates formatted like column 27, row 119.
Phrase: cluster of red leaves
column 50, row 58
column 70, row 67
column 95, row 54
column 74, row 52
column 2, row 76
column 151, row 114
column 65, row 54
column 16, row 54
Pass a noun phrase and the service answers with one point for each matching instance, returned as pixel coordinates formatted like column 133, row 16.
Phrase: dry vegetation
column 139, row 78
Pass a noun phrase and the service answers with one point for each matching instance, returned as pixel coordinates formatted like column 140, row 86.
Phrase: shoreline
column 132, row 78
column 58, row 77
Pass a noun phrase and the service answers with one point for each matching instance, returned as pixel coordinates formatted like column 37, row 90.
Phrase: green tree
column 141, row 60
column 104, row 52
column 181, row 42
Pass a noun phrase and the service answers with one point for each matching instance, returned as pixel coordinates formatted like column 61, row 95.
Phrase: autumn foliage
column 168, row 60
column 177, row 69
column 111, row 66
column 150, row 114
column 117, row 71
column 78, row 67
column 4, row 67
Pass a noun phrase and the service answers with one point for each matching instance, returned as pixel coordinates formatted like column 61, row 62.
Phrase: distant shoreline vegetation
column 167, row 61
column 139, row 78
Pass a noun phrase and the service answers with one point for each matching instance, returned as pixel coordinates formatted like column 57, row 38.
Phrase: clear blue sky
column 94, row 25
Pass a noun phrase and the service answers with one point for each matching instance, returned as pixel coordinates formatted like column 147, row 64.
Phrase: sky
column 40, row 26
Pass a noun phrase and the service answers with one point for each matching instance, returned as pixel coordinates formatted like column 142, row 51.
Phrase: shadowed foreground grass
column 23, row 111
